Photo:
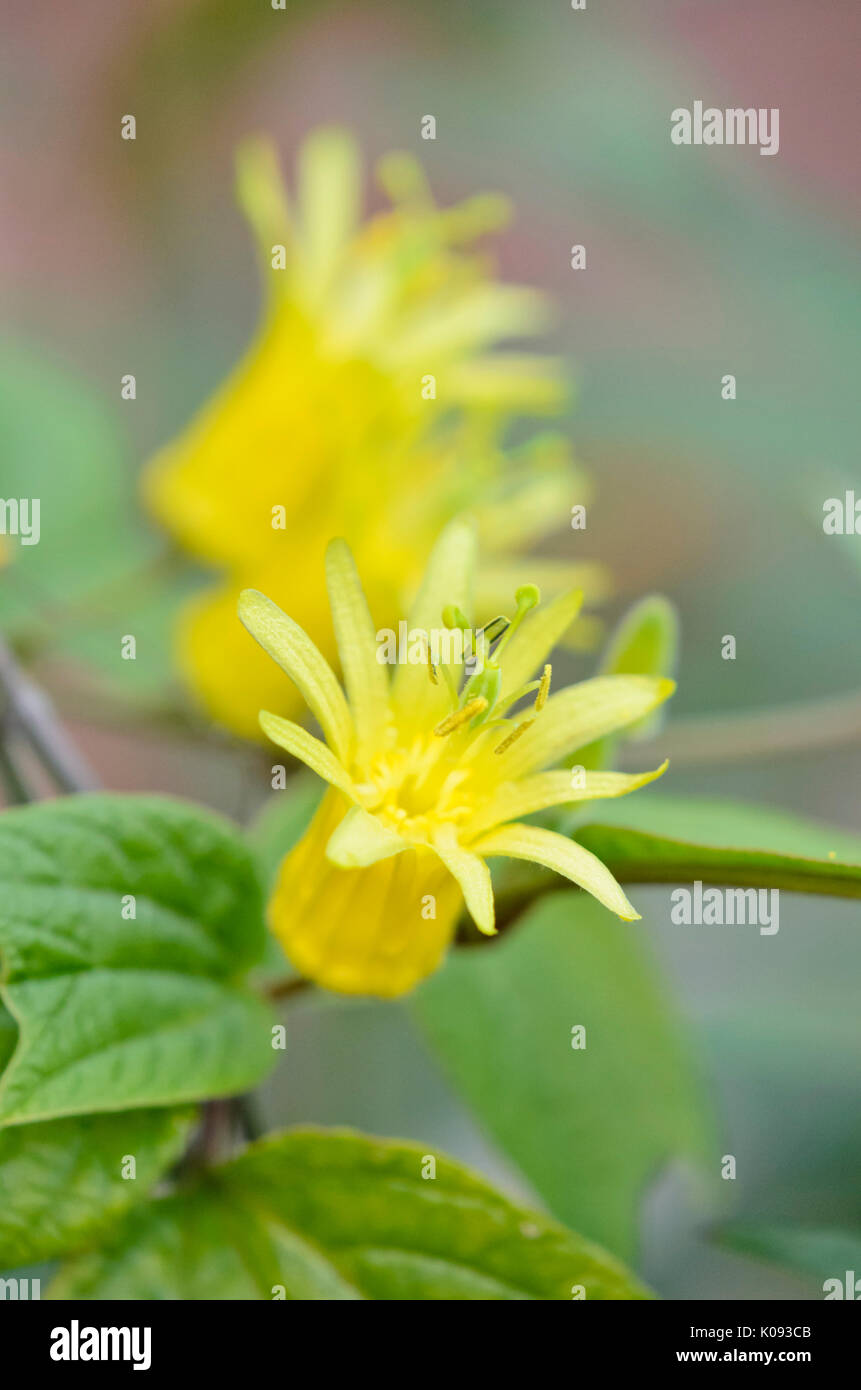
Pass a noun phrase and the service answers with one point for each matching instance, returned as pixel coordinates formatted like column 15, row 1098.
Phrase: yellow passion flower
column 431, row 770
column 375, row 403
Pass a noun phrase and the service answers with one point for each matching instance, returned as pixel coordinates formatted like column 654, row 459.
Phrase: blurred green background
column 121, row 257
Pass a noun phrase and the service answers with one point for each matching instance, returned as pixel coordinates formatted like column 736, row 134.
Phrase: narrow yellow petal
column 577, row 715
column 563, row 856
column 448, row 580
column 361, row 839
column 560, row 788
column 473, row 320
column 404, row 181
column 496, row 581
column 508, row 380
column 522, row 515
column 308, row 749
column 583, row 636
column 473, row 876
column 261, row 194
column 329, row 205
column 366, row 679
column 536, row 638
column 310, row 672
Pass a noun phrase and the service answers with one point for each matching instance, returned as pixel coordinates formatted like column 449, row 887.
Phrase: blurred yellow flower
column 373, row 404
column 430, row 772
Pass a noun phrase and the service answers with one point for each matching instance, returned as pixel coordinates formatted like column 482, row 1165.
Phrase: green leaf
column 116, row 1013
column 8, row 1036
column 655, row 839
column 68, row 454
column 61, row 1182
column 816, row 1254
column 335, row 1215
column 591, row 1127
column 97, row 572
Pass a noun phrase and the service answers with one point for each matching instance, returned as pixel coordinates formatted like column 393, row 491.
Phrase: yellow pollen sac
column 461, row 716
column 543, row 689
column 514, row 735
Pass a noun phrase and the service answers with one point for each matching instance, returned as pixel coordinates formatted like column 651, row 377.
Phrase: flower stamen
column 494, row 629
column 543, row 689
column 528, row 596
column 514, row 735
column 462, row 716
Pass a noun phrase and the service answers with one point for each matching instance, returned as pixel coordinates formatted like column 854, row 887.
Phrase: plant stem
column 743, row 871
column 799, row 728
column 29, row 711
column 17, row 793
column 248, row 1115
column 285, row 989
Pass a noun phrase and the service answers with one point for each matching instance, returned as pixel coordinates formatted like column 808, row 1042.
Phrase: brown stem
column 28, row 711
column 799, row 728
column 286, row 989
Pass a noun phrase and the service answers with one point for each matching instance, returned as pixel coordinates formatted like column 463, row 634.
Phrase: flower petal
column 578, row 715
column 544, row 789
column 365, row 678
column 472, row 874
column 329, row 204
column 498, row 579
column 563, row 856
column 362, row 931
column 536, row 638
column 361, row 839
column 296, row 654
column 263, row 198
column 448, row 579
column 308, row 749
column 508, row 381
column 475, row 319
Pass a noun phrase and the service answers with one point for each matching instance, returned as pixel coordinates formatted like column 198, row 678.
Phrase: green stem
column 744, row 870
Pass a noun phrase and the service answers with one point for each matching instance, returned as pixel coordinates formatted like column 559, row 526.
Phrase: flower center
column 414, row 788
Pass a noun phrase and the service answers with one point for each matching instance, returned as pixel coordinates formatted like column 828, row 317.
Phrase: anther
column 543, row 689
column 514, row 735
column 461, row 716
column 495, row 628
